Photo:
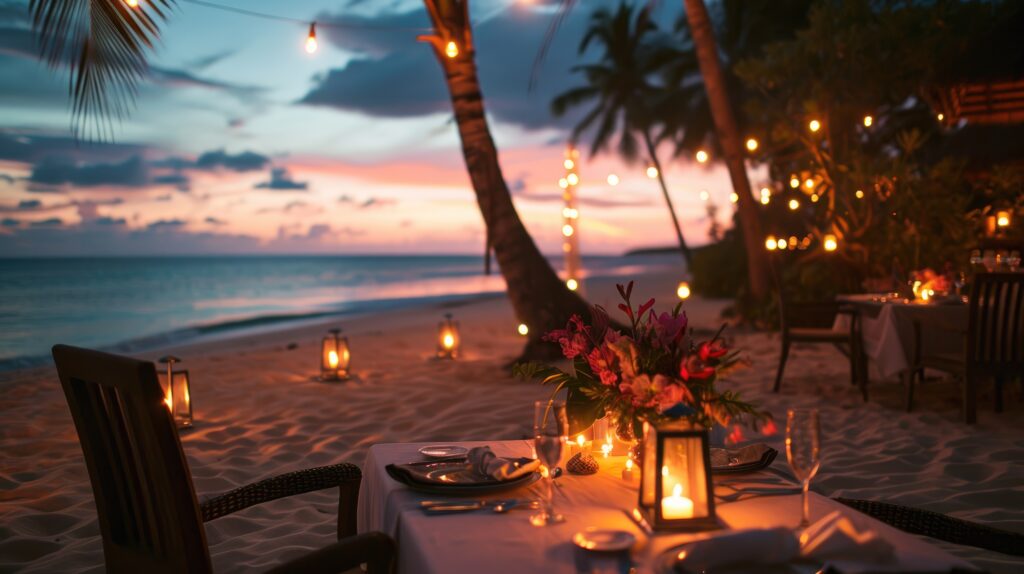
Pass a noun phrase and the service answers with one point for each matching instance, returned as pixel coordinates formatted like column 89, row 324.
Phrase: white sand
column 259, row 412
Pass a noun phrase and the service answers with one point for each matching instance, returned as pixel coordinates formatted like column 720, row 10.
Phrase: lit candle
column 677, row 506
column 448, row 341
column 332, row 359
column 627, row 473
column 606, row 448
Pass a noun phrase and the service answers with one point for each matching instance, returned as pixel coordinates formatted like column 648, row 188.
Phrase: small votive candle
column 677, row 505
column 606, row 448
column 627, row 473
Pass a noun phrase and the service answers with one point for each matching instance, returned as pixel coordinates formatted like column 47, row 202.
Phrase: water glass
column 550, row 433
column 803, row 449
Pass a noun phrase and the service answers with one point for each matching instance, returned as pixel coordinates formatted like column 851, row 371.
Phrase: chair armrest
column 292, row 483
column 940, row 526
column 375, row 549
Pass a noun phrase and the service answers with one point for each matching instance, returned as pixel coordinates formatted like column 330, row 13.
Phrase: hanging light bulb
column 752, row 144
column 770, row 243
column 794, row 181
column 702, row 156
column 859, row 194
column 311, row 43
column 613, row 179
column 132, row 3
column 704, row 195
column 573, row 179
column 794, row 205
column 734, row 197
column 523, row 329
column 814, row 125
column 814, row 198
column 868, row 120
column 572, row 284
column 830, row 243
column 568, row 163
column 451, row 50
column 652, row 172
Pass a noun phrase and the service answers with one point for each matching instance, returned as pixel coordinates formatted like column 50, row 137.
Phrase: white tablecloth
column 485, row 542
column 887, row 330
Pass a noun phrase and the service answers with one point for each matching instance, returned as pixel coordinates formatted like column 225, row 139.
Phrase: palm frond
column 104, row 44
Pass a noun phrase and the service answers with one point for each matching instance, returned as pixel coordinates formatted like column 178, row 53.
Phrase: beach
column 260, row 411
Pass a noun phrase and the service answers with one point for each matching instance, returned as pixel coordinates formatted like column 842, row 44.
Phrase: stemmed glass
column 550, row 432
column 803, row 449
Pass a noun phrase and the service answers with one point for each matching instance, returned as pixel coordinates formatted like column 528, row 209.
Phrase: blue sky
column 241, row 142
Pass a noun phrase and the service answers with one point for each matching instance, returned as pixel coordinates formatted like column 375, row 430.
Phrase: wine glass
column 550, row 431
column 803, row 449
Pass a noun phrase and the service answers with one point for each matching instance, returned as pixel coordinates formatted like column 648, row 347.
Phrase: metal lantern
column 448, row 338
column 335, row 357
column 675, row 478
column 177, row 393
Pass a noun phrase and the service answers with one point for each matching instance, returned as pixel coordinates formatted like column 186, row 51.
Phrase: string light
column 613, row 179
column 941, row 117
column 794, row 181
column 752, row 144
column 1003, row 219
column 809, row 183
column 868, row 120
column 814, row 198
column 704, row 195
column 568, row 163
column 311, row 43
column 766, row 196
column 770, row 243
column 702, row 156
column 563, row 183
column 794, row 205
column 830, row 243
column 859, row 194
column 523, row 329
column 814, row 125
column 572, row 178
column 132, row 3
column 652, row 172
column 734, row 197
column 451, row 50
column 683, row 290
column 781, row 244
column 567, row 230
column 572, row 284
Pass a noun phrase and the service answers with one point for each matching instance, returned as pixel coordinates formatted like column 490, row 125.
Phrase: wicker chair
column 993, row 342
column 940, row 526
column 145, row 501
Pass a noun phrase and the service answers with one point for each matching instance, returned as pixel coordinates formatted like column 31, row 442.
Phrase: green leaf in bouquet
column 582, row 411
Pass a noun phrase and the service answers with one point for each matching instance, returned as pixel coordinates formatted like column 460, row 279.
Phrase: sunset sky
column 243, row 143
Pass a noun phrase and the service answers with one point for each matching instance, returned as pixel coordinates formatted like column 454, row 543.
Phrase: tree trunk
column 683, row 248
column 732, row 144
column 539, row 298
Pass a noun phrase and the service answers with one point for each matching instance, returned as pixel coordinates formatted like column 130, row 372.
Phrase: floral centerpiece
column 653, row 372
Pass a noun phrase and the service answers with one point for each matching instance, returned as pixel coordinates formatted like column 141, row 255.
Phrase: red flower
column 711, row 350
column 736, row 436
column 769, row 428
column 692, row 368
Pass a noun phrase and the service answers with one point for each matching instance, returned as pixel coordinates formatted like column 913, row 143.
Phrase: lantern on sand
column 448, row 338
column 177, row 393
column 335, row 357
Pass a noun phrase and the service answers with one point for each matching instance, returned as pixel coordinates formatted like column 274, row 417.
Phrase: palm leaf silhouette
column 104, row 45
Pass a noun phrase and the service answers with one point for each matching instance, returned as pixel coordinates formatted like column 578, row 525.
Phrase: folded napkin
column 833, row 539
column 486, row 463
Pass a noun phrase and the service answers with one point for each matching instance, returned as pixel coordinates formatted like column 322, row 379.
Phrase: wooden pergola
column 995, row 102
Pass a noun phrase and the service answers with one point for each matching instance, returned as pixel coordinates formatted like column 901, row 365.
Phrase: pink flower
column 601, row 360
column 642, row 390
column 574, row 339
column 668, row 330
column 711, row 350
column 692, row 368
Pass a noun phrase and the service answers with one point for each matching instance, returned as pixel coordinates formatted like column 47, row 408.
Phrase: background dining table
column 485, row 541
column 887, row 329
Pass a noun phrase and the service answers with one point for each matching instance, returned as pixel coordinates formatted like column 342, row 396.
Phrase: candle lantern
column 335, row 357
column 177, row 393
column 448, row 338
column 675, row 478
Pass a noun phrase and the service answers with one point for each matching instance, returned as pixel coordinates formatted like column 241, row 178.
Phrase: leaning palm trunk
column 730, row 140
column 539, row 298
column 683, row 248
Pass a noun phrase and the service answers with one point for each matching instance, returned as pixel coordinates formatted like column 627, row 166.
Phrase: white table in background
column 488, row 543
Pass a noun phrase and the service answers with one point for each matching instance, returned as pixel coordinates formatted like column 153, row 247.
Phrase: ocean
column 130, row 304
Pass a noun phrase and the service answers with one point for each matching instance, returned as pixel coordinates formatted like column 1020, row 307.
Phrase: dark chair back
column 147, row 508
column 995, row 341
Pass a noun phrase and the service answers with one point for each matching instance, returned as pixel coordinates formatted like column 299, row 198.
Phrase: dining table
column 485, row 541
column 887, row 329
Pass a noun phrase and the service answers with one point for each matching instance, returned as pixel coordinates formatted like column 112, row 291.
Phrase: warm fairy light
column 830, row 243
column 794, row 205
column 629, row 464
column 1003, row 219
column 814, row 198
column 652, row 172
column 809, row 183
column 814, row 125
column 613, row 179
column 523, row 329
column 132, row 3
column 781, row 244
column 734, row 197
column 752, row 144
column 606, row 449
column 683, row 290
column 451, row 50
column 572, row 178
column 569, row 164
column 859, row 194
column 868, row 120
column 766, row 195
column 563, row 183
column 567, row 230
column 572, row 284
column 702, row 156
column 704, row 195
column 941, row 117
column 770, row 243
column 570, row 213
column 794, row 181
column 311, row 43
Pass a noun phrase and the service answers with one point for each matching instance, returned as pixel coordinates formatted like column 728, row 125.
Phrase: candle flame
column 677, row 490
column 448, row 341
column 629, row 464
column 332, row 359
column 579, row 440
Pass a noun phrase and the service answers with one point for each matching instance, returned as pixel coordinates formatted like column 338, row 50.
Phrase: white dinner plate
column 444, row 451
column 604, row 540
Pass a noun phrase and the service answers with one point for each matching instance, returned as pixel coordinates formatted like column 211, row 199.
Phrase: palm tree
column 539, row 298
column 623, row 90
column 731, row 142
column 105, row 43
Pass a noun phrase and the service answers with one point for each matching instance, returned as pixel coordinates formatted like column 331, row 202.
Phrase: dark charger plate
column 739, row 460
column 455, row 477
